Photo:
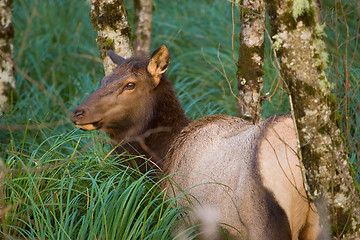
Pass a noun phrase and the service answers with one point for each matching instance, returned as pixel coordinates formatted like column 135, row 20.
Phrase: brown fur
column 130, row 115
column 248, row 173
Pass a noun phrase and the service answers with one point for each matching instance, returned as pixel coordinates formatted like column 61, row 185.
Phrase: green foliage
column 63, row 192
column 200, row 54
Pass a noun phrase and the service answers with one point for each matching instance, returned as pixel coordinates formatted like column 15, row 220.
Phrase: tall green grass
column 65, row 193
column 60, row 183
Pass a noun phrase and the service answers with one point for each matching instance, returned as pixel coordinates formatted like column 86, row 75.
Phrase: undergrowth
column 65, row 192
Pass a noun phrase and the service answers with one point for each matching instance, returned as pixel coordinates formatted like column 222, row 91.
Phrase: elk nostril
column 78, row 113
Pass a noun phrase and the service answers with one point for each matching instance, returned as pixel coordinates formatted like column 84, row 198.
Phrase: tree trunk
column 109, row 19
column 7, row 78
column 251, row 59
column 143, row 17
column 299, row 45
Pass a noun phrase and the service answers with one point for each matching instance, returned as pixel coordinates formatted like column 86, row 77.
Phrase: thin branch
column 223, row 72
column 141, row 140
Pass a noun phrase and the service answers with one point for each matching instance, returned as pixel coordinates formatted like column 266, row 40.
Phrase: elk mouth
column 88, row 126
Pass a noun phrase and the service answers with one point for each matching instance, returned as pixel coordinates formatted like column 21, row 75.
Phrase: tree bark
column 299, row 45
column 143, row 18
column 109, row 19
column 250, row 72
column 7, row 78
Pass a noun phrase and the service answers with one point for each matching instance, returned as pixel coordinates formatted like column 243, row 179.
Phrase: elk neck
column 164, row 123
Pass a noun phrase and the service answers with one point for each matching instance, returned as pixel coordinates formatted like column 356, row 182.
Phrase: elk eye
column 129, row 86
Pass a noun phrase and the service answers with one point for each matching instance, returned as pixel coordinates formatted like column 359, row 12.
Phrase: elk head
column 123, row 105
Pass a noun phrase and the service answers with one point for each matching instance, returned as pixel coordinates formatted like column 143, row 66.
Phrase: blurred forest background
column 58, row 182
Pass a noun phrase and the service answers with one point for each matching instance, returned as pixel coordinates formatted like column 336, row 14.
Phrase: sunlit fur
column 252, row 174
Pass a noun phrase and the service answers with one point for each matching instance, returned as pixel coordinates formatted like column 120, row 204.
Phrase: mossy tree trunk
column 7, row 78
column 109, row 19
column 251, row 59
column 143, row 18
column 301, row 50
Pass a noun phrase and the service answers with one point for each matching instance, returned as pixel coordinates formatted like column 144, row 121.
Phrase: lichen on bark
column 250, row 72
column 109, row 19
column 143, row 19
column 7, row 78
column 321, row 148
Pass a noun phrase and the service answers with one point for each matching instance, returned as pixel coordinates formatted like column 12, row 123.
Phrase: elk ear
column 116, row 58
column 159, row 63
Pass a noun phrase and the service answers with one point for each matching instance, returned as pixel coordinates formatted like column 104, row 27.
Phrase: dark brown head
column 124, row 103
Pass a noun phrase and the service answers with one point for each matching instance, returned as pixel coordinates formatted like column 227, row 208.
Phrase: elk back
column 248, row 173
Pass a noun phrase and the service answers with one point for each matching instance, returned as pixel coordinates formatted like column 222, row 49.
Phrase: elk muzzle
column 79, row 118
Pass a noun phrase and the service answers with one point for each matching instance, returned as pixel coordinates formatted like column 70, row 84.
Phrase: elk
column 252, row 173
